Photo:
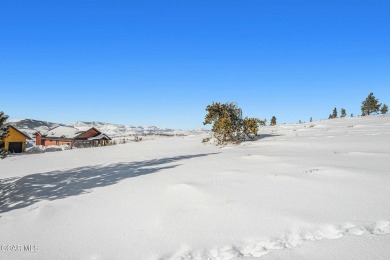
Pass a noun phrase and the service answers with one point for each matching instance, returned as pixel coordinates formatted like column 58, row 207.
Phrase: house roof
column 62, row 132
column 98, row 137
column 69, row 132
column 17, row 130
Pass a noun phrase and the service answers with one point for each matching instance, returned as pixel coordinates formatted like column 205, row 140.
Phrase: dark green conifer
column 343, row 113
column 3, row 134
column 273, row 121
column 334, row 114
column 370, row 105
column 384, row 109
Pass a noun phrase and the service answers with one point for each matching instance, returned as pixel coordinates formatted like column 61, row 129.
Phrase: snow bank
column 35, row 149
column 44, row 149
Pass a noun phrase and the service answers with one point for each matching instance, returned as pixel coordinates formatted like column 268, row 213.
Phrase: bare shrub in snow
column 137, row 138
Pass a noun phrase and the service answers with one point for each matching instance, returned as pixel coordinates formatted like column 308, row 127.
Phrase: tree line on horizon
column 369, row 106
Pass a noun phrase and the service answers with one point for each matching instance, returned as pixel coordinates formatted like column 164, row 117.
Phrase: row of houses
column 16, row 140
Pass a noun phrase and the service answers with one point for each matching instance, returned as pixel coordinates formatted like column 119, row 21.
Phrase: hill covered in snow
column 117, row 130
column 30, row 126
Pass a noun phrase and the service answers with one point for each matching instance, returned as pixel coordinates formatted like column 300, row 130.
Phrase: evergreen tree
column 370, row 105
column 351, row 115
column 3, row 134
column 226, row 120
column 343, row 113
column 311, row 119
column 228, row 124
column 384, row 109
column 273, row 121
column 330, row 116
column 334, row 114
column 251, row 127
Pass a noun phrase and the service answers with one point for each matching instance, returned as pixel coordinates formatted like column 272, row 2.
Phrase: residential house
column 74, row 137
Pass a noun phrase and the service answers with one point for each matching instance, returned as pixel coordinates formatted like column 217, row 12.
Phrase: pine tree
column 334, row 114
column 370, row 105
column 228, row 124
column 226, row 120
column 384, row 109
column 330, row 116
column 251, row 127
column 351, row 115
column 311, row 119
column 343, row 113
column 3, row 134
column 273, row 121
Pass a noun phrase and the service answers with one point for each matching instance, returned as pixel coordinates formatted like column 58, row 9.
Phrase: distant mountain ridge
column 30, row 126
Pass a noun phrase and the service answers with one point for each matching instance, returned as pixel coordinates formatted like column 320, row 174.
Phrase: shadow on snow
column 263, row 136
column 16, row 193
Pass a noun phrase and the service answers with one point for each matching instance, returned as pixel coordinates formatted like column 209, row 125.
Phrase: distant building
column 16, row 140
column 66, row 135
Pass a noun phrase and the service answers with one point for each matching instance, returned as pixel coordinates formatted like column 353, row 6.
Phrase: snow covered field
column 310, row 191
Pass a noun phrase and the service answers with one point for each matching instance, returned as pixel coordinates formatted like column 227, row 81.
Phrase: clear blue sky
column 161, row 62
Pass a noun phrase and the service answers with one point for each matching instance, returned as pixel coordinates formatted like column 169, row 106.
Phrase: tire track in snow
column 261, row 247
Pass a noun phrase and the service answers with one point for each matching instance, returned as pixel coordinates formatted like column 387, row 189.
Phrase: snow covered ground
column 308, row 191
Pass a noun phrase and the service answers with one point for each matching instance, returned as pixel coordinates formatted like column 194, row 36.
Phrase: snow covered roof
column 62, row 132
column 98, row 137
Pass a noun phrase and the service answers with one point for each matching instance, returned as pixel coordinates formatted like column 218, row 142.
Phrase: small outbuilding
column 16, row 140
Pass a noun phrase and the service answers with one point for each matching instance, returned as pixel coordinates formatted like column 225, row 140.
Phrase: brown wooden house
column 66, row 135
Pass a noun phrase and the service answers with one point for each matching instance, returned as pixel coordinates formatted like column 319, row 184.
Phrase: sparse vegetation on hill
column 369, row 106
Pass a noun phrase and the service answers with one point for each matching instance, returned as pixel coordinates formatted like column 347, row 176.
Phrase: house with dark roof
column 74, row 137
column 16, row 140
